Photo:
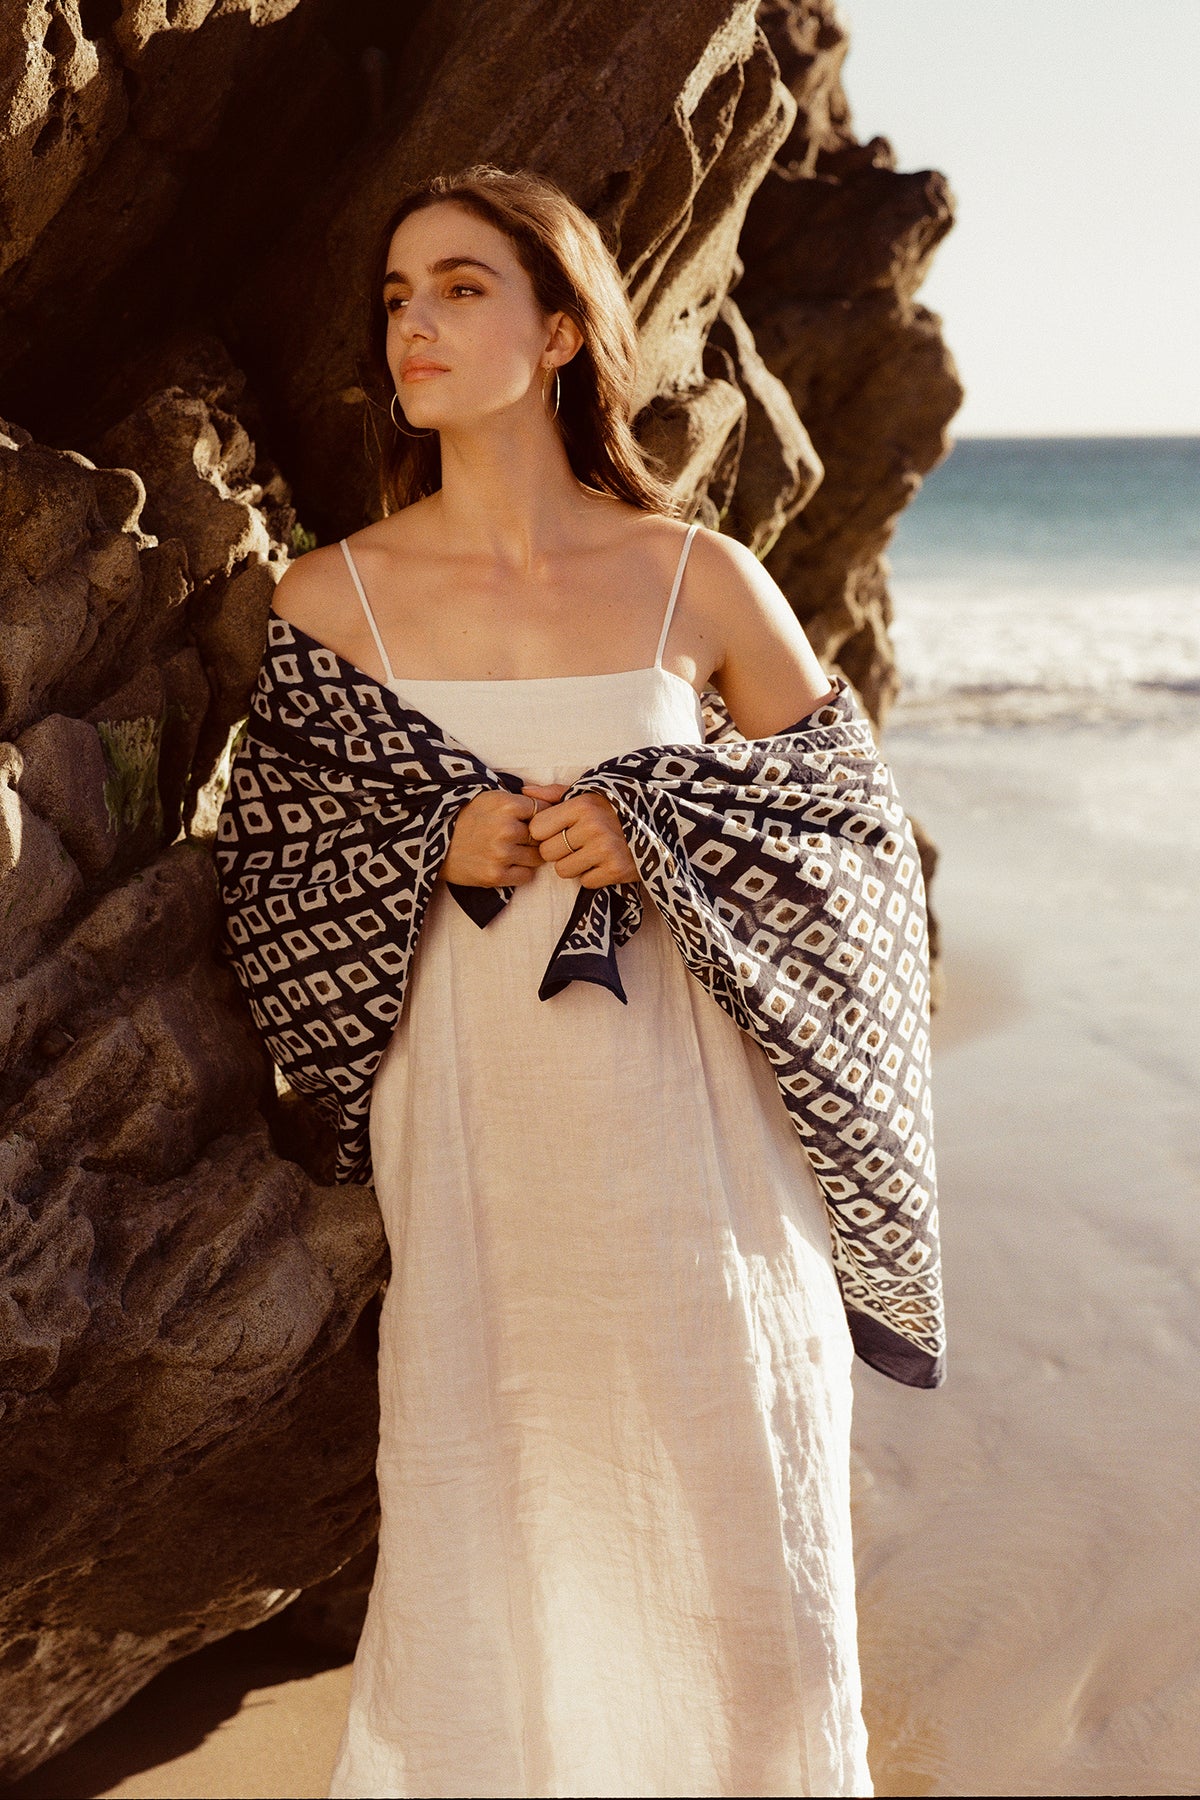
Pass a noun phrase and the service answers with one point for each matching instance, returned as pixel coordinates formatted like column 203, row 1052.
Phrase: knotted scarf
column 785, row 868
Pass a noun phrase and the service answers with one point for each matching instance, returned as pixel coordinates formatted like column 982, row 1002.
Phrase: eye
column 466, row 288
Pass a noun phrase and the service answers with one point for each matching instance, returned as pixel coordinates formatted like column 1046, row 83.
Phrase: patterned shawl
column 785, row 868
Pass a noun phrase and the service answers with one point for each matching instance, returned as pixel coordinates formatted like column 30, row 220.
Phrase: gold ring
column 566, row 840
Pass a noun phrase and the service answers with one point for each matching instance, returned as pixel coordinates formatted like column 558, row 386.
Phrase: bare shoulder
column 312, row 588
column 727, row 566
column 731, row 590
column 317, row 591
column 764, row 667
column 712, row 559
column 726, row 597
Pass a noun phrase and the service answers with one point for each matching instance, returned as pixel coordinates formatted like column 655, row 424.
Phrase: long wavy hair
column 572, row 271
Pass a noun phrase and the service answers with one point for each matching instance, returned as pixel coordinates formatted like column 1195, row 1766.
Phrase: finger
column 574, row 866
column 552, row 818
column 547, row 793
column 541, row 823
column 555, row 849
column 609, row 874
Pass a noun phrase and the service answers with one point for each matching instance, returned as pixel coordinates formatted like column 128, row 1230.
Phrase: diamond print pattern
column 784, row 867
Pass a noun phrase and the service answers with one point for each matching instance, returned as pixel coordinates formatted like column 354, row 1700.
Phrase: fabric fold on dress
column 615, row 1389
column 785, row 869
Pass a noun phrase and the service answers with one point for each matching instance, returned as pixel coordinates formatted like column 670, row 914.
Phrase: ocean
column 1040, row 579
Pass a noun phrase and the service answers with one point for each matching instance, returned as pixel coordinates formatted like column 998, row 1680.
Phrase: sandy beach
column 1026, row 1538
column 1029, row 1579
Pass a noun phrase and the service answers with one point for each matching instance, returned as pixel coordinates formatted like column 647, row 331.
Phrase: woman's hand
column 490, row 845
column 600, row 854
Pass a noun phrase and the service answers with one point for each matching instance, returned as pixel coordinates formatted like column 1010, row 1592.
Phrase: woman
column 615, row 1396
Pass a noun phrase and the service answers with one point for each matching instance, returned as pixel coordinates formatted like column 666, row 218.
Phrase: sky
column 1070, row 133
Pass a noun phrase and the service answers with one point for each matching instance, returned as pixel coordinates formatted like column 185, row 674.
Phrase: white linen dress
column 614, row 1370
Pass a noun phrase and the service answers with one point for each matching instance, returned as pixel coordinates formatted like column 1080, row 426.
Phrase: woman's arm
column 767, row 673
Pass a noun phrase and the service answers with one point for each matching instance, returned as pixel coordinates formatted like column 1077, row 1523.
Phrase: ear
column 565, row 335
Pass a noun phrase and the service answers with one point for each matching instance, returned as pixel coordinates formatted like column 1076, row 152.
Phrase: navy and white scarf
column 785, row 868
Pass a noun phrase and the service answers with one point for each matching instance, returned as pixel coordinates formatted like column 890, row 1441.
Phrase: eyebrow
column 442, row 267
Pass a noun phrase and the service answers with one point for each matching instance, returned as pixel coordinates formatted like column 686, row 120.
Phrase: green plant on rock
column 131, row 748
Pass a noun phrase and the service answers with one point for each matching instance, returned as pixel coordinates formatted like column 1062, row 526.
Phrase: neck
column 510, row 497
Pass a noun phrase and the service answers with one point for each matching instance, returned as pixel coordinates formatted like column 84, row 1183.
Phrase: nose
column 416, row 322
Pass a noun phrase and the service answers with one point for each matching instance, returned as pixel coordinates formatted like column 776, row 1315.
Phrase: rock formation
column 181, row 1354
column 186, row 1360
column 835, row 246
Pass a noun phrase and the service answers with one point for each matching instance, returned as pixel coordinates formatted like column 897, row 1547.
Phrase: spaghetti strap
column 666, row 624
column 362, row 594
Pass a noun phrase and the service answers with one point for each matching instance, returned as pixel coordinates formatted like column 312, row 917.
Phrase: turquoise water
column 1052, row 577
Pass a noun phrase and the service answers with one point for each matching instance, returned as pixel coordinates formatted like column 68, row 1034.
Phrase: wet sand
column 1029, row 1567
column 1027, row 1547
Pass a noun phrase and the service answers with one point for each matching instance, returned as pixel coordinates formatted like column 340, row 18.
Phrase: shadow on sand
column 175, row 1712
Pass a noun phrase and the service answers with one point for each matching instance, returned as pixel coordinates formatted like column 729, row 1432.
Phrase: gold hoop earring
column 404, row 429
column 557, row 394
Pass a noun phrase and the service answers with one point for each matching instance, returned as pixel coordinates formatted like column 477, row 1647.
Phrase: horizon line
column 960, row 437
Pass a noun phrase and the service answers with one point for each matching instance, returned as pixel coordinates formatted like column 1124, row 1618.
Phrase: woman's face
column 458, row 298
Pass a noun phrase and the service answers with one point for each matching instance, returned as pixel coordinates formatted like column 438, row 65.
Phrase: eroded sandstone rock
column 836, row 243
column 63, row 776
column 105, row 110
column 185, row 1352
column 777, row 470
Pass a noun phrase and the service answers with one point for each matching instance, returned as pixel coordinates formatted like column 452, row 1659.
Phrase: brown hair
column 572, row 271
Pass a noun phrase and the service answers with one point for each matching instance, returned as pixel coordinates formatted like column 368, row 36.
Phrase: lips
column 417, row 371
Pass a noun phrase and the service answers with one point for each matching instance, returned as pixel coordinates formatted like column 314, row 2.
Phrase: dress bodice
column 551, row 728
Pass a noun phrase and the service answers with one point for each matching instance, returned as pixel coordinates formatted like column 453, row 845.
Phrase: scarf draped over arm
column 784, row 867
